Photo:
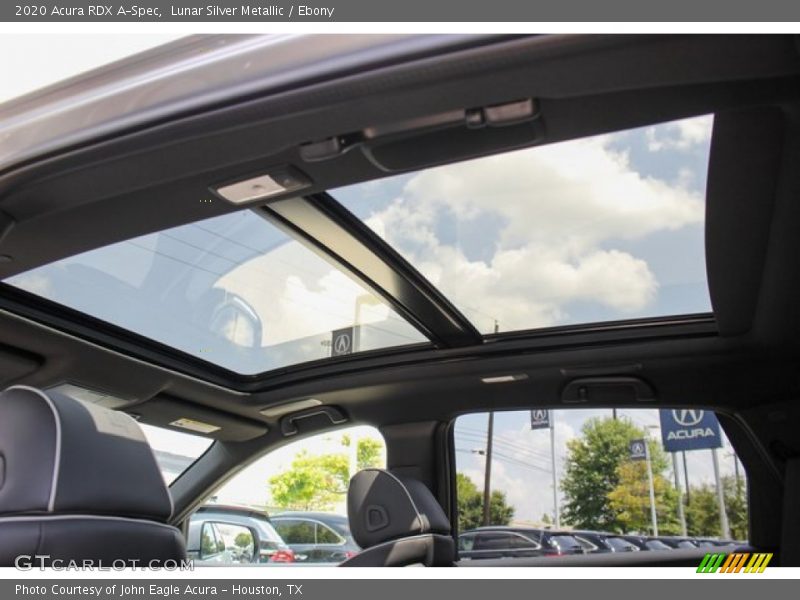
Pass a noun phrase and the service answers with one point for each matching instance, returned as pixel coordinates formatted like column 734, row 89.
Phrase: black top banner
column 530, row 11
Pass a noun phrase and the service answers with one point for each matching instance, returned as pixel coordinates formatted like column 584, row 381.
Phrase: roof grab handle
column 607, row 391
column 289, row 426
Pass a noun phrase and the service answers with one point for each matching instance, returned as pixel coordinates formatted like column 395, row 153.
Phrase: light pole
column 487, row 477
column 556, row 512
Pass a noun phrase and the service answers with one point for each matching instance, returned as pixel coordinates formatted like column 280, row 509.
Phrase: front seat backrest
column 397, row 522
column 79, row 482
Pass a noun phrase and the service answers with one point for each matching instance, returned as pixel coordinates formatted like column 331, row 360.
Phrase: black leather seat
column 79, row 482
column 397, row 522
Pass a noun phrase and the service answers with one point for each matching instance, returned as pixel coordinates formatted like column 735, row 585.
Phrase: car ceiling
column 149, row 177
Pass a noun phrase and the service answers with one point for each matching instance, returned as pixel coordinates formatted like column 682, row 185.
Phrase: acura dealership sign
column 540, row 419
column 689, row 429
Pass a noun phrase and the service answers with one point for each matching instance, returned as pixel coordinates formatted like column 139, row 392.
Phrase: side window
column 656, row 545
column 668, row 476
column 298, row 493
column 521, row 542
column 586, row 544
column 466, row 542
column 621, row 545
column 493, row 541
column 296, row 531
column 325, row 535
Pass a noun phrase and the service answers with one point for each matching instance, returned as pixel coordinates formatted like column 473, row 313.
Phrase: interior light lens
column 262, row 187
column 504, row 378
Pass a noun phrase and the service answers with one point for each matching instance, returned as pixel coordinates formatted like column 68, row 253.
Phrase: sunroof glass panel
column 598, row 229
column 232, row 290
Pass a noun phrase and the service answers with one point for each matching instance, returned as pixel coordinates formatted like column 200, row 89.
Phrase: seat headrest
column 60, row 455
column 382, row 506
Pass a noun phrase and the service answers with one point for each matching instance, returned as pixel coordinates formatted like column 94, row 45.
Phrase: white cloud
column 546, row 220
column 680, row 135
column 298, row 295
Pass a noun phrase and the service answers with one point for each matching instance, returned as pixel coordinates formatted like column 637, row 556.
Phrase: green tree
column 312, row 482
column 630, row 499
column 320, row 482
column 470, row 505
column 243, row 540
column 603, row 487
column 702, row 511
column 369, row 453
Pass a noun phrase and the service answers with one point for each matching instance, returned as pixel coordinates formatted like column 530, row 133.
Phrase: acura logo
column 687, row 417
column 342, row 344
column 637, row 449
column 539, row 416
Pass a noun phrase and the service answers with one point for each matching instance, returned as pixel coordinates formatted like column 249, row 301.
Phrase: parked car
column 644, row 542
column 677, row 542
column 599, row 542
column 316, row 537
column 715, row 543
column 235, row 535
column 507, row 542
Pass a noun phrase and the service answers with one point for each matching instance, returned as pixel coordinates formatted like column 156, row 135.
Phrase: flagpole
column 723, row 514
column 653, row 517
column 681, row 513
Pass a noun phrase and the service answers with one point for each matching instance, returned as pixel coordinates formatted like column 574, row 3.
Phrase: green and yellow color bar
column 735, row 562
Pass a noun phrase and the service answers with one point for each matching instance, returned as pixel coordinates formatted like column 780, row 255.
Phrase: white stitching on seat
column 419, row 536
column 47, row 517
column 57, row 458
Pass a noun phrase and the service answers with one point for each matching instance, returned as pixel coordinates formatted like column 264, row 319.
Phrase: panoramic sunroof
column 598, row 229
column 232, row 290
